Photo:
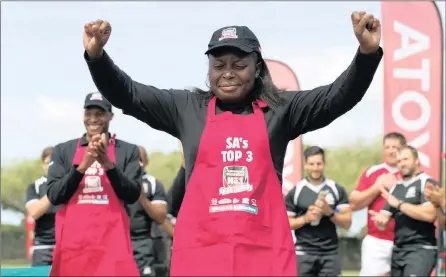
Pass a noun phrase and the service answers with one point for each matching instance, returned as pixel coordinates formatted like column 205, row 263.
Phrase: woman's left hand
column 369, row 39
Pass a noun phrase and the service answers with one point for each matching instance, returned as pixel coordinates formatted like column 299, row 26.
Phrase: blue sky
column 45, row 79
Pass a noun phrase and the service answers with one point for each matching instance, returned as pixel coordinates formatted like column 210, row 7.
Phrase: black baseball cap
column 96, row 99
column 240, row 37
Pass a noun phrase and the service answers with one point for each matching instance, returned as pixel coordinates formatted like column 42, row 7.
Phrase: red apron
column 233, row 219
column 92, row 229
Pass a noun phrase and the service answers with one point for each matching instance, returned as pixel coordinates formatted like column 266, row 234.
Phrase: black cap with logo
column 96, row 99
column 240, row 37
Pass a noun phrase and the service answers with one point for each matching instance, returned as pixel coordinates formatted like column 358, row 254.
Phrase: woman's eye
column 218, row 67
column 240, row 67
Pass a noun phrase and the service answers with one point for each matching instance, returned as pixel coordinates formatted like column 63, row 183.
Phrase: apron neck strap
column 257, row 106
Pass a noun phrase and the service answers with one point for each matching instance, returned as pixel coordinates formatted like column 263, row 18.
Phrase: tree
column 16, row 178
column 344, row 165
column 164, row 167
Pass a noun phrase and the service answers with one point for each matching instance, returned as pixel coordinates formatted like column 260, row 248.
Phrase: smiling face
column 232, row 74
column 314, row 167
column 96, row 120
column 390, row 151
column 408, row 163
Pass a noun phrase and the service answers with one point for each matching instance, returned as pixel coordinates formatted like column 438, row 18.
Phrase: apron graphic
column 233, row 220
column 92, row 229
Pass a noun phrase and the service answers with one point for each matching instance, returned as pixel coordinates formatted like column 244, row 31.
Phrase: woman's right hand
column 96, row 35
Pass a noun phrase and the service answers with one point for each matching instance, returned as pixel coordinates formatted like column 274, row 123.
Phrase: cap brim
column 97, row 105
column 238, row 46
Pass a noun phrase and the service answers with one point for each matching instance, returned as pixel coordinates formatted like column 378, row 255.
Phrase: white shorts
column 376, row 255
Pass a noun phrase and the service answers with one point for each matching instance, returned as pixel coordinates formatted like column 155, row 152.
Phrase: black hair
column 396, row 135
column 143, row 155
column 264, row 88
column 412, row 150
column 46, row 152
column 314, row 150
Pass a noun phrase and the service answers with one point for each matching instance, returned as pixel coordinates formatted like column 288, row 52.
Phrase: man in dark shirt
column 415, row 243
column 93, row 176
column 315, row 206
column 40, row 209
column 150, row 208
column 125, row 176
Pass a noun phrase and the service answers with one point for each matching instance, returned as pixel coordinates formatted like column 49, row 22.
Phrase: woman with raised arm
column 233, row 219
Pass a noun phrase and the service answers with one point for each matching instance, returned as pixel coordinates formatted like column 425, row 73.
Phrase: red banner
column 413, row 78
column 29, row 225
column 284, row 78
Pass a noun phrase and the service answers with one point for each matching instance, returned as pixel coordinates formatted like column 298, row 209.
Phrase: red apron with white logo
column 233, row 219
column 92, row 229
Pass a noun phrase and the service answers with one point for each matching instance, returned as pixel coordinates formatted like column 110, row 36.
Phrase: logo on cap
column 228, row 33
column 96, row 96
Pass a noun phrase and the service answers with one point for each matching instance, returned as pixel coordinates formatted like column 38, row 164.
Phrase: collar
column 412, row 179
column 321, row 184
column 262, row 104
column 391, row 169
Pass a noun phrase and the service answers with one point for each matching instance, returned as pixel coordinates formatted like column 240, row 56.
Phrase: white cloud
column 60, row 110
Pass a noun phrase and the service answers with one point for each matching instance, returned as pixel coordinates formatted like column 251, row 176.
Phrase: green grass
column 16, row 263
column 350, row 273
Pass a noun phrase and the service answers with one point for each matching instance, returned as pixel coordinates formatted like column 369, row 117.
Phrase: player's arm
column 343, row 213
column 441, row 209
column 441, row 214
column 435, row 195
column 36, row 206
column 382, row 218
column 155, row 204
column 167, row 226
column 296, row 222
column 364, row 193
column 425, row 211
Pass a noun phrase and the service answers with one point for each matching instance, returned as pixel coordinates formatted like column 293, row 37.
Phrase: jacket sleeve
column 159, row 196
column 314, row 109
column 31, row 195
column 63, row 179
column 127, row 182
column 291, row 208
column 176, row 192
column 159, row 108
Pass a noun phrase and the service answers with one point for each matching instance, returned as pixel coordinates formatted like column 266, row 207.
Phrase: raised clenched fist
column 367, row 30
column 96, row 35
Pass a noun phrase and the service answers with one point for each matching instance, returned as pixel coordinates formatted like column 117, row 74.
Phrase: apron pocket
column 213, row 260
column 253, row 260
column 248, row 232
